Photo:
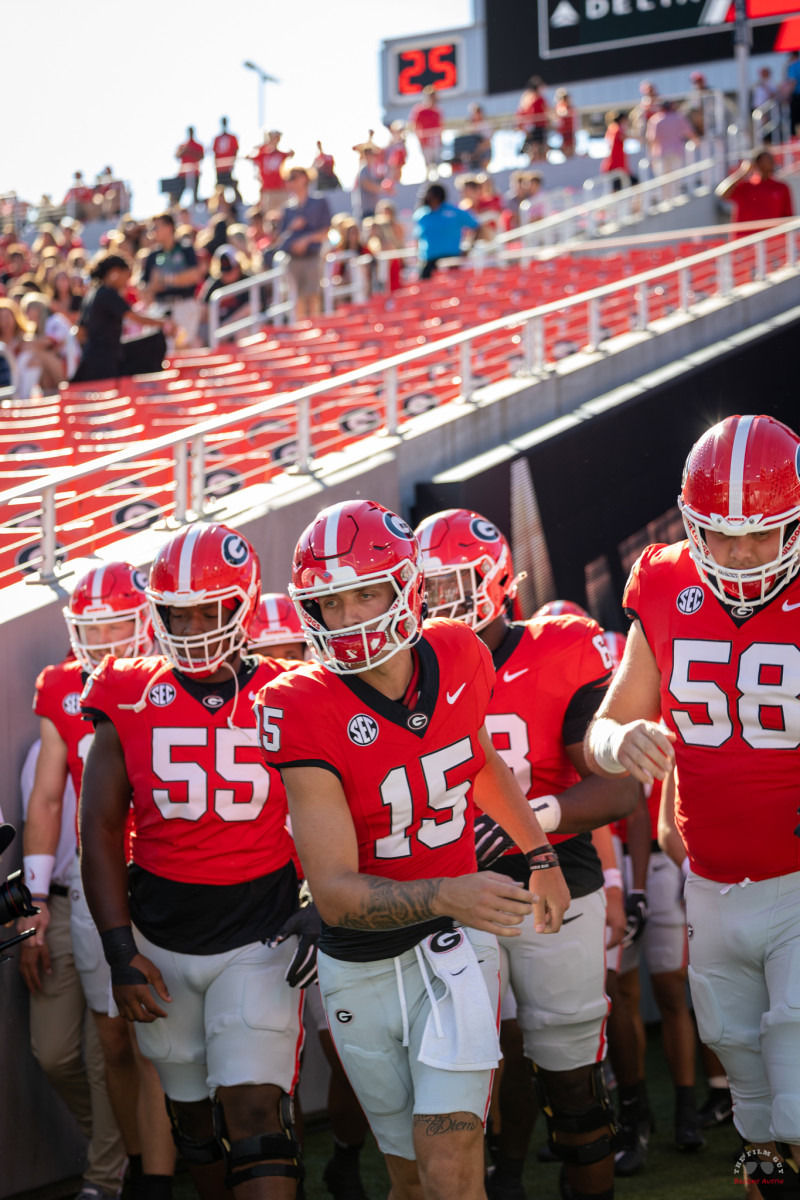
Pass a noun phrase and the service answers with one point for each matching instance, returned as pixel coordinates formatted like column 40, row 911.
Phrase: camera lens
column 15, row 899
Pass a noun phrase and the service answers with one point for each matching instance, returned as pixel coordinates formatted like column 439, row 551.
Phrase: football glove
column 636, row 912
column 306, row 926
column 491, row 841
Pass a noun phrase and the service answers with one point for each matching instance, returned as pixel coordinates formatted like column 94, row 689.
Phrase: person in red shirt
column 566, row 120
column 427, row 122
column 269, row 159
column 225, row 147
column 533, row 117
column 192, row 923
column 755, row 194
column 382, row 787
column 709, row 684
column 617, row 159
column 190, row 155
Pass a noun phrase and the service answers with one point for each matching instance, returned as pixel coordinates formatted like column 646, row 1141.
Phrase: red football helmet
column 275, row 622
column 615, row 642
column 204, row 564
column 107, row 596
column 468, row 571
column 346, row 546
column 561, row 608
column 743, row 477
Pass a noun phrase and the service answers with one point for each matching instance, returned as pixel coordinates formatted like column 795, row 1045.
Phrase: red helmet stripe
column 185, row 563
column 738, row 455
column 331, row 543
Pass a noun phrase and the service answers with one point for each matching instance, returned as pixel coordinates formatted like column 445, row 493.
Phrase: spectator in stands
column 302, row 233
column 396, row 153
column 190, row 156
column 323, row 164
column 78, row 200
column 386, row 233
column 519, row 189
column 426, row 121
column 227, row 267
column 696, row 103
column 668, row 131
column 110, row 195
column 533, row 207
column 5, row 369
column 372, row 184
column 225, row 147
column 64, row 298
column 533, row 117
column 761, row 99
column 349, row 240
column 792, row 89
column 617, row 159
column 170, row 277
column 479, row 126
column 755, row 194
column 479, row 198
column 440, row 228
column 13, row 328
column 51, row 352
column 565, row 121
column 100, row 329
column 644, row 110
column 269, row 161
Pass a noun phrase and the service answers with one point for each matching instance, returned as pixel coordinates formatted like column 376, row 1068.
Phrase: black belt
column 58, row 889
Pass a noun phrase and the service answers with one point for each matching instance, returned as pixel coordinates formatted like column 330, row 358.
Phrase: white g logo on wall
column 484, row 531
column 235, row 550
column 397, row 526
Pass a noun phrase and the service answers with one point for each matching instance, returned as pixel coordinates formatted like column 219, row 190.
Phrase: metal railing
column 184, row 475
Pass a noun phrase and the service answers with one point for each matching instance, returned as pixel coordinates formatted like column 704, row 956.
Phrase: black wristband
column 120, row 949
column 542, row 858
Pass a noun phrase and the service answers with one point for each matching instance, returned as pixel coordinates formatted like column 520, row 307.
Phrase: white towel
column 461, row 1030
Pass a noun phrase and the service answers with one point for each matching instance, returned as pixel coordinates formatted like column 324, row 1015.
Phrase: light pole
column 263, row 78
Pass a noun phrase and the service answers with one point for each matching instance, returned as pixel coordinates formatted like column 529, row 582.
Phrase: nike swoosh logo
column 566, row 920
column 452, row 699
column 787, row 607
column 461, row 972
column 509, row 676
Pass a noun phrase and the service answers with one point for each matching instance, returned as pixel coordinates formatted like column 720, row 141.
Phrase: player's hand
column 636, row 911
column 487, row 901
column 34, row 954
column 491, row 841
column 645, row 749
column 306, row 926
column 550, row 899
column 616, row 917
column 135, row 1000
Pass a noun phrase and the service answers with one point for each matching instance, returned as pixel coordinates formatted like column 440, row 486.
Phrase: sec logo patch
column 362, row 730
column 690, row 600
column 71, row 704
column 162, row 694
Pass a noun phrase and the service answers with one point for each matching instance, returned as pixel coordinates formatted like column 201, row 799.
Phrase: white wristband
column 604, row 742
column 612, row 878
column 547, row 811
column 38, row 870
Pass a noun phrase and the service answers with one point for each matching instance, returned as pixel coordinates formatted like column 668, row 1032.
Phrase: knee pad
column 597, row 1115
column 786, row 1117
column 257, row 1157
column 197, row 1152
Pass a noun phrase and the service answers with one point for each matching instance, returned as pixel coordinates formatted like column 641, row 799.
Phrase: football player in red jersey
column 552, row 672
column 713, row 652
column 382, row 785
column 107, row 612
column 275, row 630
column 212, row 879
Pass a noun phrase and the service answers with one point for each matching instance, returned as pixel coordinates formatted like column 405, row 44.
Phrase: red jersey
column 425, row 121
column 730, row 691
column 551, row 675
column 406, row 772
column 225, row 147
column 759, row 199
column 268, row 164
column 190, row 154
column 533, row 113
column 58, row 697
column 201, row 796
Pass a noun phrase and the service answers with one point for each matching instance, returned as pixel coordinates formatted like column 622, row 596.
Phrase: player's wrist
column 542, row 858
column 38, row 871
column 120, row 949
column 547, row 810
column 605, row 739
column 612, row 878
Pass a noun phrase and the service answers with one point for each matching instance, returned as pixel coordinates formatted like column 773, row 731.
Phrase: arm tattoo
column 390, row 904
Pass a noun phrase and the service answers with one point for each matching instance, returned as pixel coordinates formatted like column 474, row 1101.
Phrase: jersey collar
column 513, row 637
column 416, row 720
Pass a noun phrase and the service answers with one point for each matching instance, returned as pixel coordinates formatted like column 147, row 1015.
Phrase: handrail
column 358, row 374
